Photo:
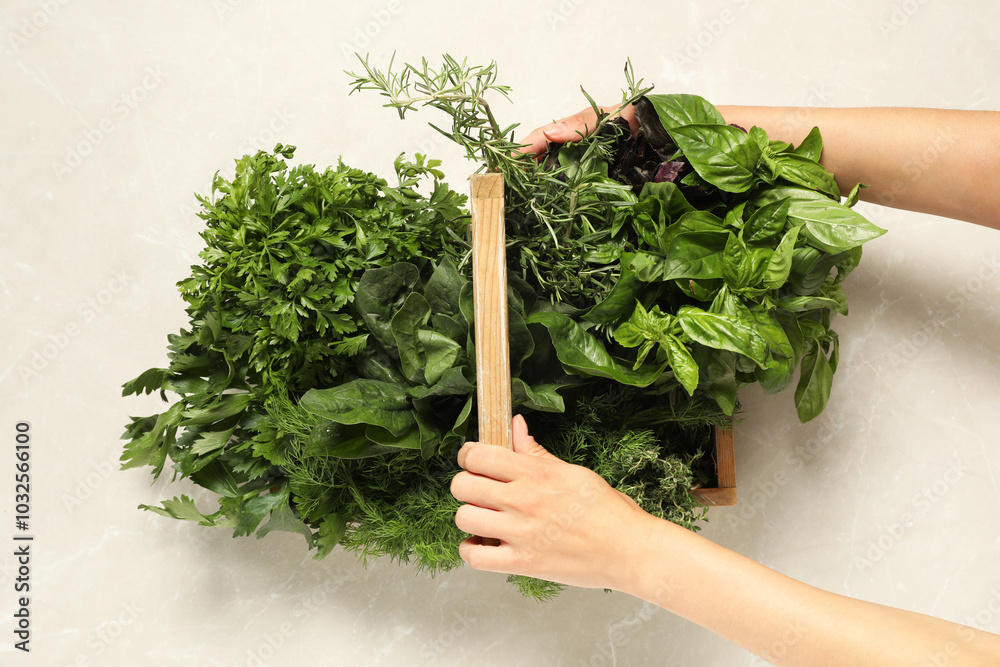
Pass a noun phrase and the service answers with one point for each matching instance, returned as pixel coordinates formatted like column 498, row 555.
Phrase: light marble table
column 114, row 113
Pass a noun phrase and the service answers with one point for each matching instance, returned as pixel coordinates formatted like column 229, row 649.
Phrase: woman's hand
column 573, row 128
column 554, row 520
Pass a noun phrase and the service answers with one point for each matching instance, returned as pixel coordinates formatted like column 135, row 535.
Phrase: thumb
column 524, row 443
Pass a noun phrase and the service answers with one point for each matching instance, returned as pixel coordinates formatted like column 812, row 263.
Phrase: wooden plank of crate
column 492, row 332
column 725, row 465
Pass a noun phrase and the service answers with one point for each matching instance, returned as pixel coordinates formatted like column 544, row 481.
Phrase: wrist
column 655, row 567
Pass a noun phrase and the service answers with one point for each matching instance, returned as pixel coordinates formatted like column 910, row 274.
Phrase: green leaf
column 695, row 255
column 723, row 155
column 800, row 304
column 209, row 442
column 718, row 375
column 665, row 200
column 443, row 289
column 737, row 266
column 228, row 405
column 619, row 302
column 684, row 109
column 218, row 478
column 826, row 224
column 283, row 518
column 683, row 364
column 855, row 195
column 350, row 441
column 723, row 332
column 146, row 383
column 405, row 328
column 780, row 263
column 332, row 529
column 806, row 172
column 543, row 397
column 148, row 448
column 846, row 263
column 362, row 402
column 381, row 292
column 767, row 221
column 252, row 511
column 182, row 508
column 581, row 353
column 811, row 147
column 441, row 354
column 815, row 382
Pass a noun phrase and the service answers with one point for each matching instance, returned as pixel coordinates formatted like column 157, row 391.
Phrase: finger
column 536, row 142
column 524, row 443
column 490, row 461
column 571, row 128
column 486, row 558
column 478, row 490
column 480, row 521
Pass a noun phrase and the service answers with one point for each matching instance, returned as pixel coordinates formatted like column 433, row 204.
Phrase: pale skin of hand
column 564, row 523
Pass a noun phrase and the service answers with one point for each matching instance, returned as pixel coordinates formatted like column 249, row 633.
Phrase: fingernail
column 554, row 130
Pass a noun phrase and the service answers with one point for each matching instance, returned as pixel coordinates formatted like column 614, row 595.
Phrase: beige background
column 114, row 113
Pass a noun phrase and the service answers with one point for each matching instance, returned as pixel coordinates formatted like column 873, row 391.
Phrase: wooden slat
column 489, row 284
column 489, row 288
column 725, row 467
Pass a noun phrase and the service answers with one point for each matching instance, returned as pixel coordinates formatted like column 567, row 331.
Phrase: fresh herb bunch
column 706, row 254
column 325, row 382
column 326, row 378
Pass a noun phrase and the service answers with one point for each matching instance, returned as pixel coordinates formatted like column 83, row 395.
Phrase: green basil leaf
column 695, row 255
column 780, row 263
column 664, row 201
column 815, row 382
column 724, row 333
column 723, row 155
column 682, row 363
column 619, row 302
column 811, row 147
column 767, row 168
column 808, row 173
column 848, row 262
column 855, row 195
column 826, row 224
column 581, row 353
column 737, row 266
column 767, row 221
column 810, row 328
column 684, row 109
column 718, row 369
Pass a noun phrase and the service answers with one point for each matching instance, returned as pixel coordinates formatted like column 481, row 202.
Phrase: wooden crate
column 725, row 465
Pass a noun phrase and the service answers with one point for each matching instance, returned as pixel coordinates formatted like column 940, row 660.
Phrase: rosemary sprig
column 563, row 211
